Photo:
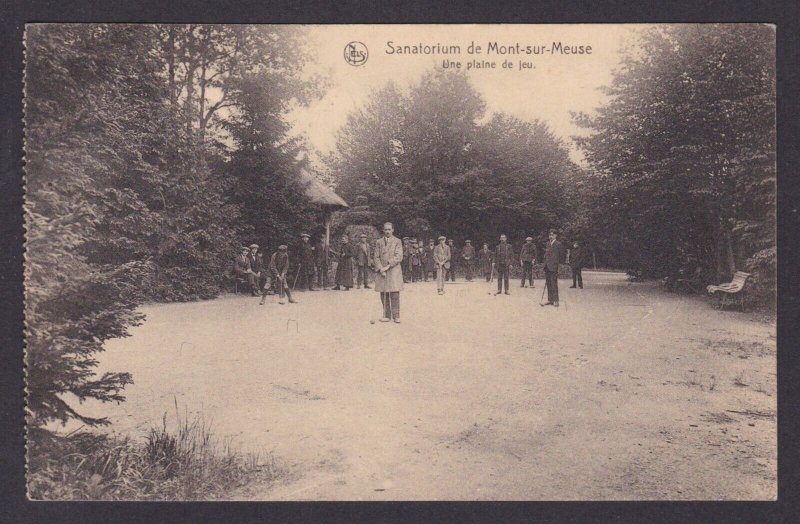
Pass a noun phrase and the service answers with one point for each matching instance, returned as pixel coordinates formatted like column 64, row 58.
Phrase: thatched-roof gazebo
column 324, row 197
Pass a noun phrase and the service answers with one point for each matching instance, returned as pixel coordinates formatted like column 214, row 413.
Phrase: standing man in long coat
column 578, row 258
column 306, row 267
column 553, row 255
column 468, row 255
column 441, row 257
column 387, row 257
column 363, row 261
column 485, row 260
column 344, row 269
column 504, row 258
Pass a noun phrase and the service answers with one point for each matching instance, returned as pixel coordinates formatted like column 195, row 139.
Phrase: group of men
column 395, row 262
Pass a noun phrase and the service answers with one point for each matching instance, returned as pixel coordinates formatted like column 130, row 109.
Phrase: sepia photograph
column 517, row 262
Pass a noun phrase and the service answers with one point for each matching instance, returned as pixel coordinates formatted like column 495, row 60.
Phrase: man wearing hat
column 307, row 265
column 553, row 255
column 243, row 269
column 363, row 260
column 278, row 266
column 468, row 255
column 454, row 257
column 527, row 257
column 504, row 258
column 577, row 258
column 386, row 259
column 441, row 257
column 257, row 266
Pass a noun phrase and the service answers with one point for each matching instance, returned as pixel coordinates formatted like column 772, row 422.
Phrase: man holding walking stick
column 386, row 260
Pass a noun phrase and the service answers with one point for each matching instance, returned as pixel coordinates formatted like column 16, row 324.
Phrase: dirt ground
column 624, row 393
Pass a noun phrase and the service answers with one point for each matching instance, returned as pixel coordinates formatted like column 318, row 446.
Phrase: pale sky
column 558, row 84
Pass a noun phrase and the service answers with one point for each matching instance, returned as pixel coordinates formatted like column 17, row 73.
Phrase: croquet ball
column 371, row 321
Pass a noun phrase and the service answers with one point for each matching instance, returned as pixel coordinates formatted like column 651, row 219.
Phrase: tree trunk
column 173, row 92
column 724, row 261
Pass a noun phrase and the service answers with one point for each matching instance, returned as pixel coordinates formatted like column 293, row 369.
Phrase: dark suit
column 578, row 258
column 527, row 256
column 455, row 255
column 503, row 258
column 553, row 255
column 306, row 268
column 259, row 268
column 243, row 269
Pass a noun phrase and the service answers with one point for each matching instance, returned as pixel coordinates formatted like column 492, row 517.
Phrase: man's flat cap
column 283, row 247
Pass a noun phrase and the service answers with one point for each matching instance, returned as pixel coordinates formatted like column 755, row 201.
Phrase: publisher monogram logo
column 356, row 53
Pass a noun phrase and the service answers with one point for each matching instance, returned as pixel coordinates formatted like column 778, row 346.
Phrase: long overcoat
column 388, row 252
column 553, row 255
column 344, row 270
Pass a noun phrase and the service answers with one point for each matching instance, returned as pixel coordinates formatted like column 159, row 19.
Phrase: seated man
column 243, row 269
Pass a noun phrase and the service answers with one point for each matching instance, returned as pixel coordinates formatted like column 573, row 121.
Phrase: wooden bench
column 734, row 287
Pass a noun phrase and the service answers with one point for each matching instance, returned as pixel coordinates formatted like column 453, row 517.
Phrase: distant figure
column 344, row 270
column 468, row 256
column 503, row 258
column 441, row 257
column 363, row 262
column 428, row 263
column 553, row 255
column 404, row 265
column 485, row 260
column 322, row 261
column 386, row 260
column 242, row 268
column 278, row 266
column 578, row 258
column 527, row 257
column 307, row 264
column 415, row 261
column 451, row 272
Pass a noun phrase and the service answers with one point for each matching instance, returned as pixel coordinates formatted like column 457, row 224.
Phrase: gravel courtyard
column 625, row 392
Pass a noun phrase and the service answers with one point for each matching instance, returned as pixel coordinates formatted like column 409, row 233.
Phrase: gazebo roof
column 319, row 193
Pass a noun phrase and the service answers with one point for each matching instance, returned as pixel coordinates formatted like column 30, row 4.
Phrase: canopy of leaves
column 425, row 163
column 681, row 160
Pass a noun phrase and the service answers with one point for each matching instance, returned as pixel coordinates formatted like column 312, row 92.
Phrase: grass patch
column 186, row 463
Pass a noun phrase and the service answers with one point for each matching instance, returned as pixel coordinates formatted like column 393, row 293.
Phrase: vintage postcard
column 400, row 262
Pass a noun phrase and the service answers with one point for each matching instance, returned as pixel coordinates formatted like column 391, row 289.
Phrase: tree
column 422, row 158
column 686, row 147
column 78, row 81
